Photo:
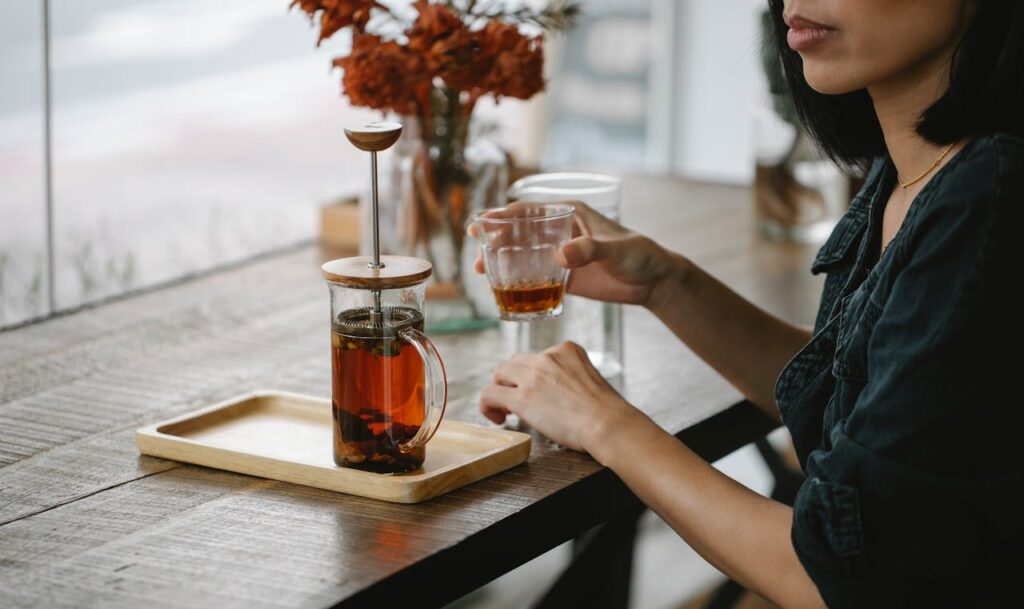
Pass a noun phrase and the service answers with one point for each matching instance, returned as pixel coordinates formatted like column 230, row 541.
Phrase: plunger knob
column 374, row 137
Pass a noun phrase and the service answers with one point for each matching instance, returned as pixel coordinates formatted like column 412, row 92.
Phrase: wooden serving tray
column 286, row 436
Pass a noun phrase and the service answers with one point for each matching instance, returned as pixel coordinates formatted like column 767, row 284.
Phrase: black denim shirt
column 905, row 407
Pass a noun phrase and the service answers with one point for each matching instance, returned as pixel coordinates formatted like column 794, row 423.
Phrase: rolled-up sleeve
column 922, row 482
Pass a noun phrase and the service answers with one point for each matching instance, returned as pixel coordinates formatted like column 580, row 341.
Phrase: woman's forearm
column 743, row 534
column 744, row 343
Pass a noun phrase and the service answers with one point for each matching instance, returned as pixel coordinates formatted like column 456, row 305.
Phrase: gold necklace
column 906, row 185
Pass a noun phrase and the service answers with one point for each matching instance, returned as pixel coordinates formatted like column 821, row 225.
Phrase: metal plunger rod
column 375, row 220
column 373, row 138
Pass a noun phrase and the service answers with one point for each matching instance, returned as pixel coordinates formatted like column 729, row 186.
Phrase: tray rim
column 151, row 441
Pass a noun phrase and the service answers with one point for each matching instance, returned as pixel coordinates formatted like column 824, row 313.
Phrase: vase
column 444, row 169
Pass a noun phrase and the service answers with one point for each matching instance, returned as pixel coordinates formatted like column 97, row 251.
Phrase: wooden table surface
column 86, row 521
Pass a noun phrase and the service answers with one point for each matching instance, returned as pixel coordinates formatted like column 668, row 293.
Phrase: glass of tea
column 519, row 244
column 388, row 381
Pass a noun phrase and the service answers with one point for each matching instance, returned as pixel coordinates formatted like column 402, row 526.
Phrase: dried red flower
column 337, row 14
column 497, row 59
column 449, row 49
column 385, row 76
column 516, row 61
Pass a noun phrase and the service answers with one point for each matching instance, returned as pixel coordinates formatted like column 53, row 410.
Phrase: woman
column 901, row 402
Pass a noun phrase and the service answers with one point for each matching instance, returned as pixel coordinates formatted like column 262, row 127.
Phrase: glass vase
column 444, row 169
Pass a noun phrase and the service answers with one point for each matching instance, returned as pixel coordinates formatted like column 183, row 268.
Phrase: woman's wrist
column 617, row 422
column 667, row 287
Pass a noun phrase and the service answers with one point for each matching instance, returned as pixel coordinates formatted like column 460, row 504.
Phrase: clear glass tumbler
column 519, row 244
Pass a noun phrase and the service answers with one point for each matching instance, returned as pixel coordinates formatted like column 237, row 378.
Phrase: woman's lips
column 804, row 33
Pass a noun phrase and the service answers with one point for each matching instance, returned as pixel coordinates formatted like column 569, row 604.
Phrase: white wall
column 717, row 80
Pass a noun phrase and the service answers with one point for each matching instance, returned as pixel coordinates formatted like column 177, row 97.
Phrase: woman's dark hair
column 986, row 89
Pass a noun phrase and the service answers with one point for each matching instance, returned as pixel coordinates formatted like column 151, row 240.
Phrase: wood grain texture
column 374, row 137
column 86, row 521
column 358, row 272
column 287, row 437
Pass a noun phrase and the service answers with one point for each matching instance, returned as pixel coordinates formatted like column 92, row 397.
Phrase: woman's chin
column 825, row 78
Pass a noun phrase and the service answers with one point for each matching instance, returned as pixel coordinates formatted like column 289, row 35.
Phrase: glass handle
column 436, row 391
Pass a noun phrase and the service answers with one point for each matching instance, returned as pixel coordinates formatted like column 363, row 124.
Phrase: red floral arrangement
column 431, row 62
column 474, row 47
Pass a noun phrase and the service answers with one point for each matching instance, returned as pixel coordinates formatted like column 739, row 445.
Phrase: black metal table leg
column 601, row 571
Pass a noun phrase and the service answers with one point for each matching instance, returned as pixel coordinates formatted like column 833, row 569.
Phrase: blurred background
column 144, row 141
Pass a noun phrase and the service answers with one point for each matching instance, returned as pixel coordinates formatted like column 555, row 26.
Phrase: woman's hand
column 609, row 262
column 559, row 393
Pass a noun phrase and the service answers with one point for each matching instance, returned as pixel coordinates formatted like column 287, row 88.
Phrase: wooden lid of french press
column 358, row 272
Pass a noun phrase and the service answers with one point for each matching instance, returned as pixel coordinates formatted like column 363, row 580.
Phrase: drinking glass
column 519, row 244
column 594, row 325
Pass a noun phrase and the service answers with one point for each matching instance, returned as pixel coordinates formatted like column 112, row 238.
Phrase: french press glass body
column 388, row 381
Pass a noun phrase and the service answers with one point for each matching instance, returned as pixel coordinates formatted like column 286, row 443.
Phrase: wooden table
column 86, row 521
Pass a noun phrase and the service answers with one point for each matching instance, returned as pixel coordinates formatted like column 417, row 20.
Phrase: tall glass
column 596, row 326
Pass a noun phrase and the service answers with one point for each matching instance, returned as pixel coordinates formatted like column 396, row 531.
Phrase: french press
column 389, row 388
